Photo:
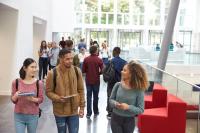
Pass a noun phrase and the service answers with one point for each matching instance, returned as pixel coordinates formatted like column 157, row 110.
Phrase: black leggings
column 121, row 124
column 43, row 63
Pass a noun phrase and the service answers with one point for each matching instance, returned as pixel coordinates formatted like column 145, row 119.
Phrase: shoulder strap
column 37, row 85
column 16, row 84
column 76, row 71
column 54, row 77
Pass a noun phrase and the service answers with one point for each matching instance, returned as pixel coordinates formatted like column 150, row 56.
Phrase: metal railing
column 186, row 91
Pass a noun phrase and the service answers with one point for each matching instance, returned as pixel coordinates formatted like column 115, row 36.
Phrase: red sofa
column 158, row 97
column 169, row 119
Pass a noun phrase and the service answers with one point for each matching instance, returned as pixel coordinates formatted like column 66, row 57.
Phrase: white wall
column 23, row 43
column 8, row 28
column 196, row 30
column 39, row 30
column 63, row 17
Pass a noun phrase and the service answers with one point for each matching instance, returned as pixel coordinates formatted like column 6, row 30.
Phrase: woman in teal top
column 127, row 98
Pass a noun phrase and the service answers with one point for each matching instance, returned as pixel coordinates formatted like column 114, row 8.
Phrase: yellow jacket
column 66, row 85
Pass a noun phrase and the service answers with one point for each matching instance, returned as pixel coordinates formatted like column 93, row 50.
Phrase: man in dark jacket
column 118, row 66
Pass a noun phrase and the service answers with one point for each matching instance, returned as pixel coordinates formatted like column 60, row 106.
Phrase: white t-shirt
column 45, row 53
column 105, row 53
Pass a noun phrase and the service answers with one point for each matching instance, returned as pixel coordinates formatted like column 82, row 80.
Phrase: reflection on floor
column 47, row 121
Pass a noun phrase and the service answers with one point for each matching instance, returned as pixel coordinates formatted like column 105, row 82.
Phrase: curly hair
column 138, row 79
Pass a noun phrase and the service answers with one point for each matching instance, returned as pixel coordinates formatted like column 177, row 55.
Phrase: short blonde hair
column 138, row 79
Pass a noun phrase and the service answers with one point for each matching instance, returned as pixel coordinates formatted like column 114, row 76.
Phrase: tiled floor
column 47, row 122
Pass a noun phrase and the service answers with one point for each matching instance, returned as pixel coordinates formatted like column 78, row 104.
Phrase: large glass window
column 182, row 17
column 94, row 18
column 87, row 18
column 123, row 6
column 184, row 38
column 77, row 35
column 154, row 12
column 91, row 5
column 110, row 18
column 126, row 19
column 119, row 19
column 155, row 37
column 78, row 18
column 107, row 5
column 138, row 6
column 128, row 39
column 103, row 18
column 99, row 36
column 78, row 5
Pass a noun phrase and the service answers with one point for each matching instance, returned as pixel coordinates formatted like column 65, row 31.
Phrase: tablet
column 70, row 96
column 26, row 94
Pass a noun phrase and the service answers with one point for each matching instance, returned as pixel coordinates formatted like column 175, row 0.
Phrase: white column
column 167, row 39
column 146, row 24
column 114, row 43
column 196, row 29
column 99, row 12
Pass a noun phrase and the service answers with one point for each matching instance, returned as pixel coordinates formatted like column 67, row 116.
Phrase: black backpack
column 109, row 72
column 37, row 85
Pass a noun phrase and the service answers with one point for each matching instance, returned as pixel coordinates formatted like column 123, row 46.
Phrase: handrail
column 170, row 75
column 198, row 117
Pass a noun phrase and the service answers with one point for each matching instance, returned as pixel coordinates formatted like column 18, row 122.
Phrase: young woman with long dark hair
column 27, row 94
column 43, row 59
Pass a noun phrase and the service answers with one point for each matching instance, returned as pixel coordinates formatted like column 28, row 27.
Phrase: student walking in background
column 26, row 112
column 92, row 66
column 118, row 63
column 127, row 98
column 105, row 53
column 62, row 43
column 43, row 59
column 82, row 55
column 53, row 55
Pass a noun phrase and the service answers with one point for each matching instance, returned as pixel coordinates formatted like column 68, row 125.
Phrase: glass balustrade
column 186, row 91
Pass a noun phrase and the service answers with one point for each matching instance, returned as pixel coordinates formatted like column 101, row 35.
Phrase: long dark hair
column 27, row 62
column 41, row 45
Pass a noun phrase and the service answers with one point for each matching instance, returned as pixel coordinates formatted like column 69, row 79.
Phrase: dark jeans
column 49, row 64
column 120, row 124
column 92, row 89
column 72, row 122
column 105, row 61
column 43, row 63
column 109, row 91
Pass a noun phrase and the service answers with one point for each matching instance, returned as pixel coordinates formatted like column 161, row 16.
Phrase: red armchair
column 170, row 119
column 157, row 99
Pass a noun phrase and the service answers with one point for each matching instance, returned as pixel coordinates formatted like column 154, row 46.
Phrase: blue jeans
column 81, row 65
column 24, row 120
column 92, row 89
column 105, row 61
column 72, row 122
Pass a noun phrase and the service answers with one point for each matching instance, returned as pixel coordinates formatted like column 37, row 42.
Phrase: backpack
column 37, row 85
column 55, row 75
column 109, row 72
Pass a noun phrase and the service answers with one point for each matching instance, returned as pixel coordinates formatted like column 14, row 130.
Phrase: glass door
column 128, row 39
column 99, row 36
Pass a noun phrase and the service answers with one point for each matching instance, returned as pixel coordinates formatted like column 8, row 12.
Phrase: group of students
column 48, row 55
column 65, row 87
